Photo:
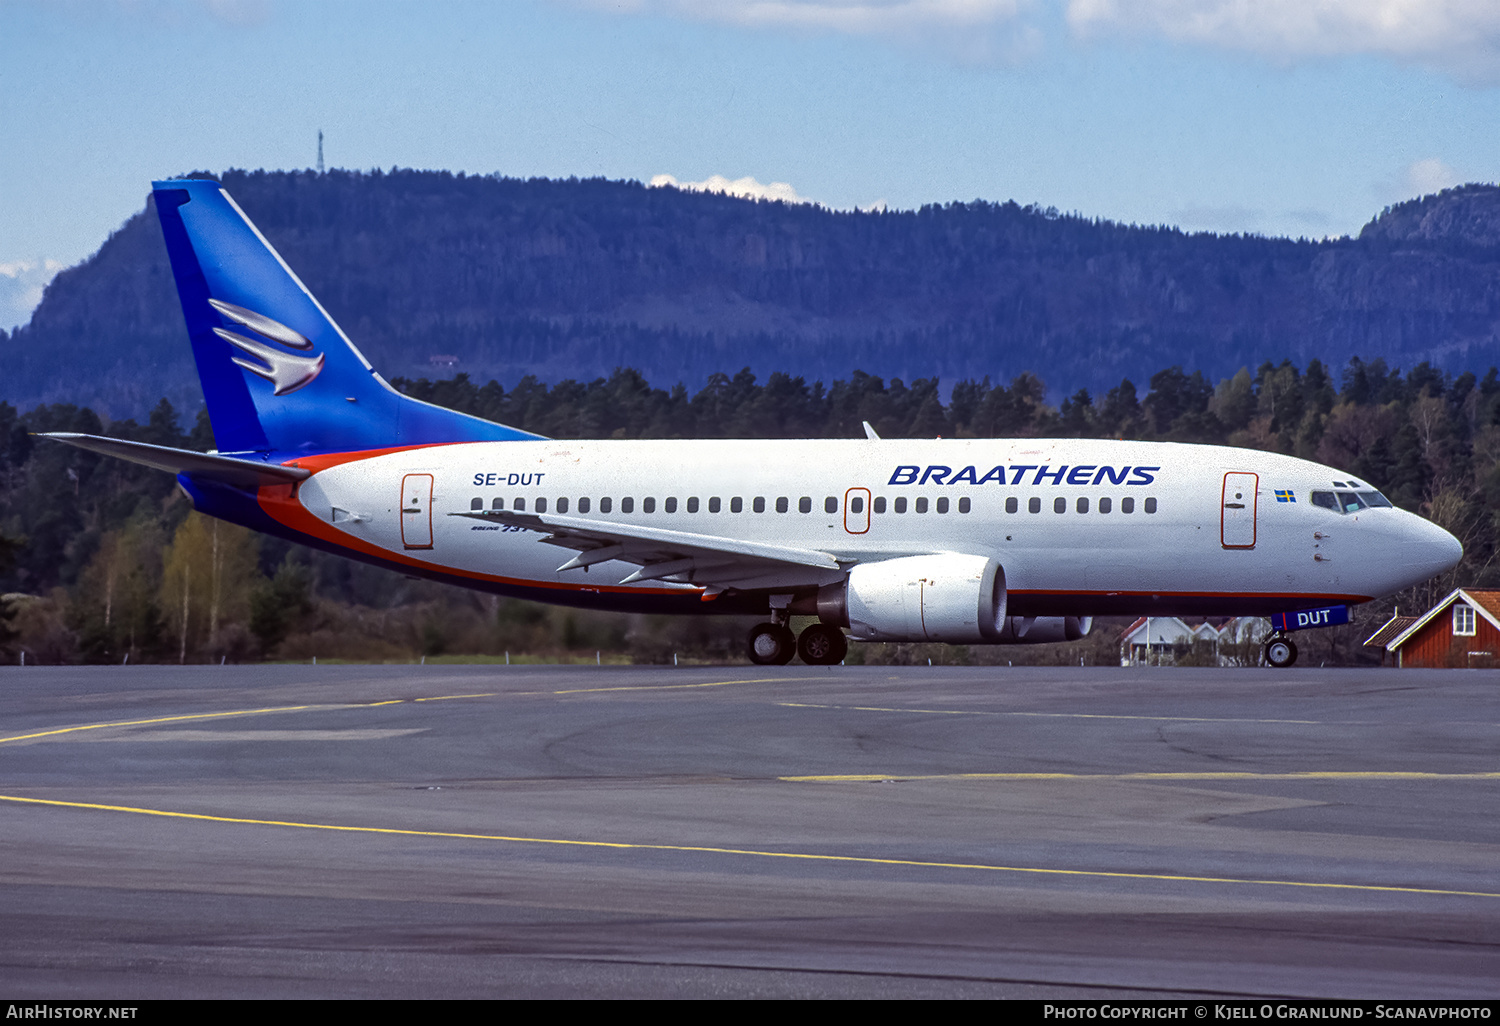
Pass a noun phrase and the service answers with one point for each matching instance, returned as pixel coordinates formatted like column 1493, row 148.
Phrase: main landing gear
column 1280, row 651
column 772, row 644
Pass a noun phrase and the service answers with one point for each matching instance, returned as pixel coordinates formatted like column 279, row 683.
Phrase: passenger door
column 416, row 511
column 1237, row 512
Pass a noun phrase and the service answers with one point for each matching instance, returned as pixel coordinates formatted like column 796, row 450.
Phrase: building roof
column 1390, row 629
column 1486, row 601
column 1165, row 630
column 1171, row 630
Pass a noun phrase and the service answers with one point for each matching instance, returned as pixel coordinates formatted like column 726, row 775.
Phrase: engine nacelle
column 1039, row 630
column 944, row 597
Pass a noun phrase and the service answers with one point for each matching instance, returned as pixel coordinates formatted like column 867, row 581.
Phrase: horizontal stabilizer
column 208, row 466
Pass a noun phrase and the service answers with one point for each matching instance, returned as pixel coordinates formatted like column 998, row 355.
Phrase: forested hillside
column 432, row 273
column 102, row 561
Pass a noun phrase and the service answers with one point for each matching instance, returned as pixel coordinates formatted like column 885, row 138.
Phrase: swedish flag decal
column 1285, row 495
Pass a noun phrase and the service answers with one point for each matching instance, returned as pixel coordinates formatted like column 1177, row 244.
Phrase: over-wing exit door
column 1237, row 517
column 857, row 510
column 416, row 511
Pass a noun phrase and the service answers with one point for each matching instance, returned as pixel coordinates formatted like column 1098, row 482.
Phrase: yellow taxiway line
column 756, row 853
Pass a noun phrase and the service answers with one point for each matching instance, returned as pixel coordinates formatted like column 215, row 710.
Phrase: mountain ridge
column 432, row 273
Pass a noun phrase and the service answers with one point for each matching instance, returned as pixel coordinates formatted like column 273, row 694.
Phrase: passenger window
column 1104, row 505
column 498, row 504
column 880, row 504
column 648, row 505
column 1127, row 505
column 519, row 504
column 1083, row 505
column 942, row 504
column 856, row 504
column 901, row 504
column 1059, row 505
column 693, row 504
column 606, row 504
column 781, row 504
column 562, row 505
column 963, row 504
column 671, row 505
column 736, row 505
column 804, row 504
column 922, row 505
column 541, row 505
column 627, row 505
column 714, row 505
column 1150, row 505
column 476, row 504
column 1011, row 505
column 1034, row 504
column 759, row 505
column 830, row 505
column 583, row 505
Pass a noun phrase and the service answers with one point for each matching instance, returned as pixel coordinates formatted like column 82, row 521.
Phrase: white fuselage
column 1117, row 527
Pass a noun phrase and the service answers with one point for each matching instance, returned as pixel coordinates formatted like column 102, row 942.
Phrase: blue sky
column 1300, row 117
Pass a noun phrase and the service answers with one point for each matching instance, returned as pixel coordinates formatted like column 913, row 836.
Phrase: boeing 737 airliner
column 985, row 541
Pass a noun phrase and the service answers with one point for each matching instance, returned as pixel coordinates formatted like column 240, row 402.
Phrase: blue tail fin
column 278, row 374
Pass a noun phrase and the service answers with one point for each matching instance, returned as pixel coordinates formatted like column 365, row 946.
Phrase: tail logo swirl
column 286, row 371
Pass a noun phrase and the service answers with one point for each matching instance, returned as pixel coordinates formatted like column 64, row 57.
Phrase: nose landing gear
column 1280, row 651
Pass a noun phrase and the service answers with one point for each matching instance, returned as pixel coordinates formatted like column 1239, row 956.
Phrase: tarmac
column 465, row 832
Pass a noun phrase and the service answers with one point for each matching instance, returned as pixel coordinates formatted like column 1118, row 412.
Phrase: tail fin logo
column 286, row 371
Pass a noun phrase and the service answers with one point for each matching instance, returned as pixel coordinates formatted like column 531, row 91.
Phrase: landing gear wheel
column 1281, row 652
column 771, row 644
column 822, row 645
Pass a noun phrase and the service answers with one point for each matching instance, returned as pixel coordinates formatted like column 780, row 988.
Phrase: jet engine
column 948, row 596
column 1038, row 630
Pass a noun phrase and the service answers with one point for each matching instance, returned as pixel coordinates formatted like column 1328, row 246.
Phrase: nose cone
column 1425, row 550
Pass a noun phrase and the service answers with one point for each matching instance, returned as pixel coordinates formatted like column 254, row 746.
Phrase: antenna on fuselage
column 320, row 151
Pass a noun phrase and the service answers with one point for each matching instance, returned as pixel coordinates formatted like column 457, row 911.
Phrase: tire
column 1281, row 652
column 822, row 645
column 770, row 644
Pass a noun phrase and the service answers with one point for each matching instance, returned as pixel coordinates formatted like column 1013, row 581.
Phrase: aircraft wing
column 228, row 469
column 664, row 555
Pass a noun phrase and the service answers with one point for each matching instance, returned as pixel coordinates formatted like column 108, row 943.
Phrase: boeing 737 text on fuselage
column 972, row 541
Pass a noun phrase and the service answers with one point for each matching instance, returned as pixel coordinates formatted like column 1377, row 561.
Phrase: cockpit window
column 1349, row 502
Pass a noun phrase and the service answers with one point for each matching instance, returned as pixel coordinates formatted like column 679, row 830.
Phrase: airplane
column 965, row 541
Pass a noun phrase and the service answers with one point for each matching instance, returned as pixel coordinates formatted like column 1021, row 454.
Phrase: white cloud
column 855, row 16
column 21, row 286
column 1419, row 178
column 1456, row 36
column 971, row 30
column 745, row 188
column 1428, row 176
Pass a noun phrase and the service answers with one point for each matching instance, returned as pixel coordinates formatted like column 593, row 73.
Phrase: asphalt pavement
column 440, row 831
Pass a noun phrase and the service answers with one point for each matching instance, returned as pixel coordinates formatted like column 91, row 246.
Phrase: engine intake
column 948, row 596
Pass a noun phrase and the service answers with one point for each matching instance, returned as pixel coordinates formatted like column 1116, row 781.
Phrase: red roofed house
column 1461, row 631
